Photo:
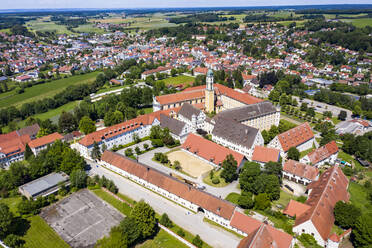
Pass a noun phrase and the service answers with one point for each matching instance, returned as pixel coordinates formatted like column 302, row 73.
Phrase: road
column 321, row 107
column 193, row 223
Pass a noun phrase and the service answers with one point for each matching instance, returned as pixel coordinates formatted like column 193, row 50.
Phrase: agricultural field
column 176, row 81
column 360, row 22
column 45, row 90
column 89, row 28
column 45, row 24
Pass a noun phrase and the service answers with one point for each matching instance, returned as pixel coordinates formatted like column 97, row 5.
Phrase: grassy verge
column 222, row 227
column 233, row 197
column 41, row 235
column 41, row 91
column 117, row 204
column 162, row 240
column 280, row 221
column 217, row 174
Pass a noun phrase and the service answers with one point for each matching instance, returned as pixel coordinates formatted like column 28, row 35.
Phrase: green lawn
column 45, row 90
column 233, row 197
column 120, row 206
column 12, row 203
column 182, row 79
column 208, row 180
column 284, row 198
column 147, row 110
column 359, row 197
column 304, row 153
column 107, row 88
column 348, row 158
column 162, row 240
column 41, row 235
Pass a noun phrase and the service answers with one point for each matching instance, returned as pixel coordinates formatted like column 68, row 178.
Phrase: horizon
column 162, row 4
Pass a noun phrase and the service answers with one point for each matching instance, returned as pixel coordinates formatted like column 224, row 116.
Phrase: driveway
column 193, row 223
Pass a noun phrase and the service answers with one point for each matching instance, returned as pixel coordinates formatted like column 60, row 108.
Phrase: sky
column 37, row 4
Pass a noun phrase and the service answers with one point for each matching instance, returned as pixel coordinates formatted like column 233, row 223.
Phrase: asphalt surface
column 189, row 221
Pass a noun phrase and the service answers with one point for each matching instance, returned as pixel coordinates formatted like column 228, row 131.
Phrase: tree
column 14, row 241
column 346, row 214
column 136, row 138
column 86, row 125
column 342, row 115
column 274, row 168
column 177, row 165
column 71, row 161
column 131, row 230
column 248, row 176
column 293, row 153
column 362, row 231
column 28, row 152
column 303, row 107
column 144, row 216
column 6, row 220
column 165, row 221
column 67, row 122
column 146, row 146
column 245, row 200
column 308, row 241
column 96, row 151
column 78, row 179
column 229, row 166
column 138, row 150
column 197, row 241
column 262, row 201
column 128, row 152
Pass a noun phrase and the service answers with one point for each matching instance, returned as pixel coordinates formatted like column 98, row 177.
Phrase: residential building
column 299, row 172
column 324, row 193
column 357, row 127
column 191, row 115
column 325, row 154
column 160, row 69
column 178, row 129
column 44, row 186
column 236, row 136
column 210, row 152
column 300, row 137
column 260, row 115
column 42, row 143
column 263, row 155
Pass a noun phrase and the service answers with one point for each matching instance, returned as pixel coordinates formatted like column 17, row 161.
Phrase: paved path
column 193, row 223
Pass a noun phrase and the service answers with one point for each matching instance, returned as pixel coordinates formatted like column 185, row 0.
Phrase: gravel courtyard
column 190, row 164
column 81, row 219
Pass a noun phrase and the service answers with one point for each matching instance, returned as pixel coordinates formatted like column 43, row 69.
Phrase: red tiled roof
column 329, row 189
column 295, row 208
column 202, row 70
column 301, row 170
column 172, row 185
column 209, row 150
column 180, row 97
column 12, row 143
column 265, row 154
column 323, row 152
column 295, row 136
column 159, row 69
column 45, row 140
column 260, row 235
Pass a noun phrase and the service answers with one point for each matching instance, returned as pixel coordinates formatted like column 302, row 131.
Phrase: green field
column 360, row 22
column 44, row 24
column 182, row 79
column 41, row 235
column 359, row 197
column 45, row 90
column 89, row 28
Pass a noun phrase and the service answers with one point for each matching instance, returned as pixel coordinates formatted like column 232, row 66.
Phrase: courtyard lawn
column 41, row 91
column 147, row 110
column 190, row 164
column 233, row 197
column 222, row 182
column 178, row 80
column 284, row 199
column 41, row 235
column 304, row 153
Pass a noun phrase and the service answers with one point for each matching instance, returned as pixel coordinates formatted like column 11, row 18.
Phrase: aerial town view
column 185, row 124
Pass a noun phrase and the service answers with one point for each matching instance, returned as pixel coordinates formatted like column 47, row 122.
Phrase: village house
column 299, row 173
column 325, row 154
column 263, row 155
column 300, row 137
column 178, row 129
column 42, row 143
column 160, row 69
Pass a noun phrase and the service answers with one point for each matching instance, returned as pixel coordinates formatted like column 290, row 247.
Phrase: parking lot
column 81, row 219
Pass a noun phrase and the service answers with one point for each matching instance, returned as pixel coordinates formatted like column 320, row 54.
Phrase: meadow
column 360, row 22
column 182, row 79
column 41, row 91
column 45, row 24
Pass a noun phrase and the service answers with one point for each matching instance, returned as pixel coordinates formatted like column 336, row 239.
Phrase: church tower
column 209, row 93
